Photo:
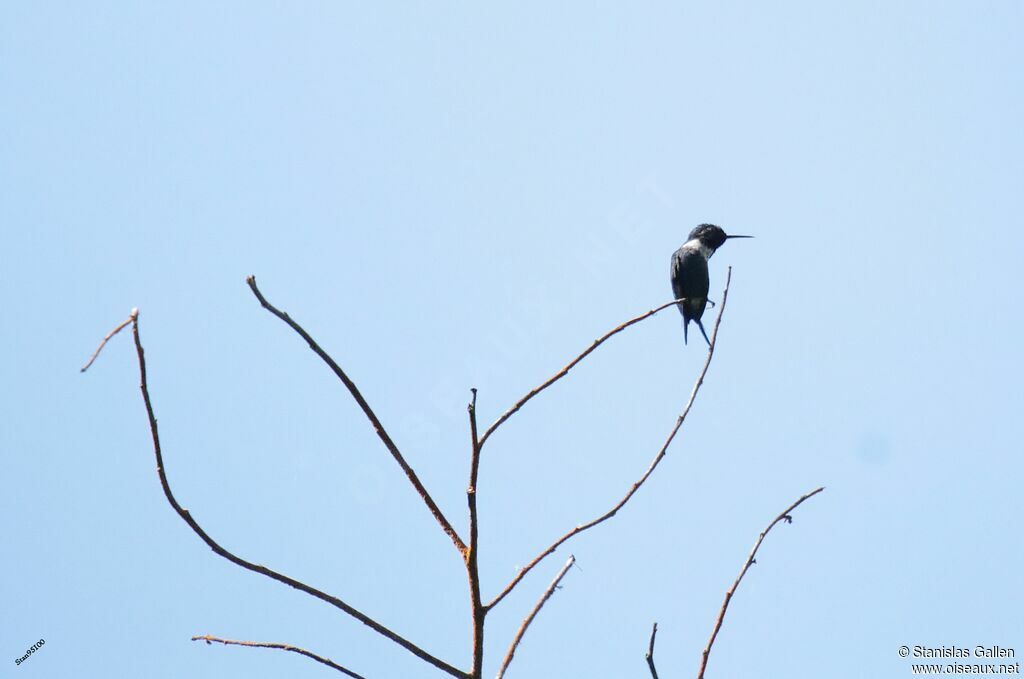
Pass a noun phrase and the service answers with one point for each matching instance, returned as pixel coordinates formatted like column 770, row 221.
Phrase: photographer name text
column 962, row 652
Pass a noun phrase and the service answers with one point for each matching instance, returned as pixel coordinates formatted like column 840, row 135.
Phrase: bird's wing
column 689, row 274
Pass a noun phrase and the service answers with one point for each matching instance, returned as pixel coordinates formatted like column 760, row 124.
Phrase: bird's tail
column 701, row 326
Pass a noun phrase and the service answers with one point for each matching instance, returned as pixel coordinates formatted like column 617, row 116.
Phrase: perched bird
column 690, row 273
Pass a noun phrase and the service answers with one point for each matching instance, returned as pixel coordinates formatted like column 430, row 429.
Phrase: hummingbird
column 690, row 273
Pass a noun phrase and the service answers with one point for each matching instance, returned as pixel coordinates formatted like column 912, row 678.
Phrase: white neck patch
column 695, row 244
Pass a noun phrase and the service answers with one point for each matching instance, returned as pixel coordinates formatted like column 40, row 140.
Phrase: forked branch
column 650, row 469
column 283, row 647
column 650, row 653
column 368, row 411
column 186, row 516
column 469, row 552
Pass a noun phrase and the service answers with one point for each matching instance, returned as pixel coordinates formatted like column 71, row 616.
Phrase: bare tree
column 469, row 552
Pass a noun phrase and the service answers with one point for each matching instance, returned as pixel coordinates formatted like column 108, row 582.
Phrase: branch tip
column 282, row 647
column 133, row 317
column 533, row 614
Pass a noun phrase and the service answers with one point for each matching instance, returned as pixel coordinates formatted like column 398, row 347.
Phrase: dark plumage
column 690, row 273
column 690, row 280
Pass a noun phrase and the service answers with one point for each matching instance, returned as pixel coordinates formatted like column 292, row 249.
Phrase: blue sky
column 451, row 198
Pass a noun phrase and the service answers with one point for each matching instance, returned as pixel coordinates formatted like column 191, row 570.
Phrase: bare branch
column 283, row 647
column 479, row 612
column 533, row 614
column 186, row 516
column 569, row 366
column 650, row 469
column 103, row 342
column 784, row 516
column 650, row 653
column 370, row 415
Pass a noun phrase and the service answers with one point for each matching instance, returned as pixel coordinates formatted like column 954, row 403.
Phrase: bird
column 690, row 273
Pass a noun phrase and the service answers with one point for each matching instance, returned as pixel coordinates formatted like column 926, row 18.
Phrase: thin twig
column 569, row 366
column 187, row 518
column 370, row 415
column 479, row 612
column 784, row 516
column 103, row 342
column 650, row 653
column 650, row 469
column 283, row 647
column 533, row 614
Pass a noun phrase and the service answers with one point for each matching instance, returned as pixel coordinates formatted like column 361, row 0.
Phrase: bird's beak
column 739, row 236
